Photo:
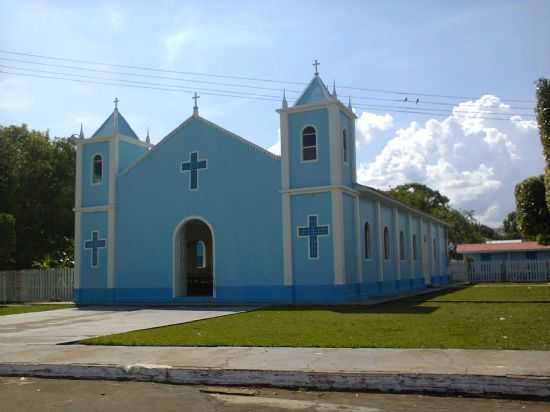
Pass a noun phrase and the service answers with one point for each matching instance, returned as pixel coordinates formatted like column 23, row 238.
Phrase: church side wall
column 128, row 153
column 350, row 241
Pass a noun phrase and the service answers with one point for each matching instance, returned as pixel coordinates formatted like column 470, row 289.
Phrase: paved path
column 69, row 325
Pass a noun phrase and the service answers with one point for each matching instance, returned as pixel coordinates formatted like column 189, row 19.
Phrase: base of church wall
column 256, row 295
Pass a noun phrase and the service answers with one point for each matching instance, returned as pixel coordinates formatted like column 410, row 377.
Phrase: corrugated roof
column 524, row 246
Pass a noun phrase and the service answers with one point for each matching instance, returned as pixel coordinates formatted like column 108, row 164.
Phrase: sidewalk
column 472, row 372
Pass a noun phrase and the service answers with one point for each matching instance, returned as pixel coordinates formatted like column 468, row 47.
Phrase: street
column 44, row 395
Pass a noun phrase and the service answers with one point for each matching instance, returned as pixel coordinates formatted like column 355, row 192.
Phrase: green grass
column 475, row 317
column 17, row 309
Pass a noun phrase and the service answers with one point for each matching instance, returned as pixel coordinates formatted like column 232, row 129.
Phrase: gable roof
column 115, row 123
column 504, row 246
column 188, row 121
column 316, row 91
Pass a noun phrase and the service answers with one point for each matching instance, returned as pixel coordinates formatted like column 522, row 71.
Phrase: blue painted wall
column 312, row 271
column 93, row 277
column 95, row 194
column 317, row 173
column 128, row 153
column 350, row 241
column 347, row 124
column 248, row 246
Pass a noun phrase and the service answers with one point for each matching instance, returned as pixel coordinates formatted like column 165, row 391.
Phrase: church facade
column 205, row 216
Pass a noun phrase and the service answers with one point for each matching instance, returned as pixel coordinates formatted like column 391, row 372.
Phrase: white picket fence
column 501, row 271
column 37, row 285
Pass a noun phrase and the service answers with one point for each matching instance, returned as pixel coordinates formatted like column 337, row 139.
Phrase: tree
column 37, row 188
column 543, row 119
column 510, row 226
column 7, row 241
column 532, row 214
column 464, row 227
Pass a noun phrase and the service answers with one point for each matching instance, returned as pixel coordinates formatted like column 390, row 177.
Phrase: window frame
column 402, row 255
column 92, row 174
column 387, row 245
column 345, row 146
column 367, row 251
column 302, row 147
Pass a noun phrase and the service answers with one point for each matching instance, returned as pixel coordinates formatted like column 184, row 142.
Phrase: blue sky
column 467, row 48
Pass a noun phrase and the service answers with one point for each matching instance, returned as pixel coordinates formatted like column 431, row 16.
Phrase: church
column 208, row 217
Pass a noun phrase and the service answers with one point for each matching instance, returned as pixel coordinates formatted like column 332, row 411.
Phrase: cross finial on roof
column 116, row 102
column 316, row 64
column 195, row 107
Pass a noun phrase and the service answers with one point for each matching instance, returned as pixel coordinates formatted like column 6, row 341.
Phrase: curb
column 455, row 384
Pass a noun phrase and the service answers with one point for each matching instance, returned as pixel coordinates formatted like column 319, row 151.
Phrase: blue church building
column 205, row 216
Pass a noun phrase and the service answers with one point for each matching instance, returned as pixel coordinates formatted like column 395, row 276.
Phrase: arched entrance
column 193, row 258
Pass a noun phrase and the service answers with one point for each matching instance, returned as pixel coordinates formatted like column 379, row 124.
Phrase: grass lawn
column 17, row 309
column 476, row 317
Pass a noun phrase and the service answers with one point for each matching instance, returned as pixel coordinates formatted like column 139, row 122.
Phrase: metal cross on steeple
column 116, row 102
column 195, row 98
column 316, row 64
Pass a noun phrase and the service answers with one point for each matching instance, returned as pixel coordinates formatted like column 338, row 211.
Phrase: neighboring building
column 501, row 250
column 206, row 216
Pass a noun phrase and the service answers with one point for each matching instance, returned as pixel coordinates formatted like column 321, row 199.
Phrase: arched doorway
column 193, row 258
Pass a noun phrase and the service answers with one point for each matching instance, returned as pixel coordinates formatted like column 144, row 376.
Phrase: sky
column 473, row 145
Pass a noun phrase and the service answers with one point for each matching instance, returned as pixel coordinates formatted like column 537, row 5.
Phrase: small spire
column 334, row 89
column 316, row 64
column 195, row 106
column 349, row 103
column 148, row 139
column 285, row 103
column 115, row 117
column 81, row 134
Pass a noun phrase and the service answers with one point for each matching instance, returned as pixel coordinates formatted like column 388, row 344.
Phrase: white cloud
column 175, row 43
column 276, row 148
column 369, row 123
column 474, row 160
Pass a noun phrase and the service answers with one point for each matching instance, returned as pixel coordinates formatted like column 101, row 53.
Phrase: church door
column 194, row 260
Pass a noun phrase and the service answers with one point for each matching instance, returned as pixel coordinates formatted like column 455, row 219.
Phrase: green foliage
column 7, row 240
column 532, row 214
column 543, row 119
column 37, row 188
column 543, row 239
column 510, row 225
column 464, row 227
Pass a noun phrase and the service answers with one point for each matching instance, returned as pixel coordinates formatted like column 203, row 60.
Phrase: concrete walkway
column 473, row 372
column 70, row 325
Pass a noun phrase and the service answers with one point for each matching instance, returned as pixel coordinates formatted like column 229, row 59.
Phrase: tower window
column 386, row 243
column 367, row 241
column 309, row 144
column 345, row 145
column 97, row 170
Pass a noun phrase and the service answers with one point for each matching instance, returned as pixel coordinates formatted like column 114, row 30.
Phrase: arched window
column 200, row 260
column 401, row 245
column 309, row 144
column 386, row 243
column 97, row 169
column 367, row 240
column 345, row 145
column 414, row 246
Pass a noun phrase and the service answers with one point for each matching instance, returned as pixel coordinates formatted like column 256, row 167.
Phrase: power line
column 256, row 79
column 233, row 92
column 142, row 85
column 354, row 97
